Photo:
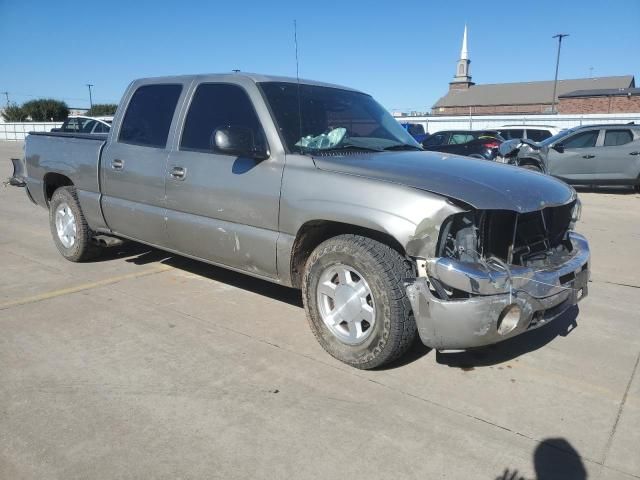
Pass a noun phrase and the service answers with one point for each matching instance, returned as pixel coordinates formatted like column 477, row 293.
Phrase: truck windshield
column 329, row 118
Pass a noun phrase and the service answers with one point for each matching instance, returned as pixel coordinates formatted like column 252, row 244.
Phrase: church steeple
column 462, row 79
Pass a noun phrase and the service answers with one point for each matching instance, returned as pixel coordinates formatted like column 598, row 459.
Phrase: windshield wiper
column 344, row 146
column 402, row 146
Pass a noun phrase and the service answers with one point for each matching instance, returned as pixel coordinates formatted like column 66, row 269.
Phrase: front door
column 223, row 208
column 134, row 163
column 577, row 163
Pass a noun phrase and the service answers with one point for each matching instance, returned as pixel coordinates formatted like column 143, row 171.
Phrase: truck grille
column 515, row 238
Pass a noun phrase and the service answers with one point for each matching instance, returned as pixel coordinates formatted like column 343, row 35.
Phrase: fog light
column 509, row 318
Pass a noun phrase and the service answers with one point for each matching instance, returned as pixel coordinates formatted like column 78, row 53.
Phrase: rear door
column 223, row 208
column 134, row 163
column 578, row 162
column 619, row 156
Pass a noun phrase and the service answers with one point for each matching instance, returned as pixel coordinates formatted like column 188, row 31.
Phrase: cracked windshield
column 315, row 119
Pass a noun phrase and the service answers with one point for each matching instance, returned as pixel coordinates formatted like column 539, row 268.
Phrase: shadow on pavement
column 139, row 254
column 142, row 255
column 554, row 458
column 513, row 347
column 621, row 190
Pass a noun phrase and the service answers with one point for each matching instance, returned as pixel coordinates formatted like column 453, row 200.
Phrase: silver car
column 588, row 155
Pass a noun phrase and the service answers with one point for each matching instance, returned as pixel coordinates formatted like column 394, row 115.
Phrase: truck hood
column 482, row 184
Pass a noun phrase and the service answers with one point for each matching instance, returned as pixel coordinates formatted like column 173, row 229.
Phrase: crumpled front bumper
column 459, row 324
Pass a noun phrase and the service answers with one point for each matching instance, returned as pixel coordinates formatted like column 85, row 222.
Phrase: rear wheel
column 357, row 307
column 70, row 231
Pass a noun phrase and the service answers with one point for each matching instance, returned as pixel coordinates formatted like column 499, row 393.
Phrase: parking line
column 85, row 286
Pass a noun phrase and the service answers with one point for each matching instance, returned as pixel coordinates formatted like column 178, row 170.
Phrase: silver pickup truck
column 316, row 186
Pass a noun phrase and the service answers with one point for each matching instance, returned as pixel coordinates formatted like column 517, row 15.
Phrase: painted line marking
column 85, row 286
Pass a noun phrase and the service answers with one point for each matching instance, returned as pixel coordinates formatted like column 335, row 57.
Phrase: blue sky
column 404, row 53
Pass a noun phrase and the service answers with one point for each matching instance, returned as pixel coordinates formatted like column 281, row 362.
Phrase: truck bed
column 73, row 155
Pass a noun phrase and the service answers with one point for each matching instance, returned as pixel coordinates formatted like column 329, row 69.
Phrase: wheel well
column 313, row 233
column 529, row 161
column 53, row 181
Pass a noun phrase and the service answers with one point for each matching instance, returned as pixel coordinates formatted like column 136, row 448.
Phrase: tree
column 46, row 110
column 14, row 113
column 102, row 109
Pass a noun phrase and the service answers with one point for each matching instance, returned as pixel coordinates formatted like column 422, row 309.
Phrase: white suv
column 537, row 133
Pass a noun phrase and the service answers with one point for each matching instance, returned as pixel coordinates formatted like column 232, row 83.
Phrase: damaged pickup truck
column 315, row 186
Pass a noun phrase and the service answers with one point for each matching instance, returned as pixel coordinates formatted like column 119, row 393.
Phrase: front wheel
column 356, row 303
column 69, row 228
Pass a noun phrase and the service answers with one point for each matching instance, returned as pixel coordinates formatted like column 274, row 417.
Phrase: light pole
column 90, row 99
column 559, row 36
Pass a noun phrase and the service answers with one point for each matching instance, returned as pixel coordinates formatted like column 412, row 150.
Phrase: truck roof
column 254, row 77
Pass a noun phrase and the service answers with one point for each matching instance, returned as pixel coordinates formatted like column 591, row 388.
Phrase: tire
column 530, row 166
column 375, row 266
column 64, row 210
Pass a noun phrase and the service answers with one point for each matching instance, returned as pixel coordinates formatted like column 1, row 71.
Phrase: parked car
column 587, row 155
column 536, row 133
column 416, row 130
column 471, row 143
column 318, row 187
column 81, row 124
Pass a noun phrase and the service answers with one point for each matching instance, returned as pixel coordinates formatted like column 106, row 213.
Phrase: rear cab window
column 149, row 114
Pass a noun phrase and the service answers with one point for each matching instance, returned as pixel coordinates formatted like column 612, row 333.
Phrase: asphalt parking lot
column 147, row 365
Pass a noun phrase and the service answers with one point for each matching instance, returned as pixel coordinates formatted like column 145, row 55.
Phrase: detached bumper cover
column 542, row 296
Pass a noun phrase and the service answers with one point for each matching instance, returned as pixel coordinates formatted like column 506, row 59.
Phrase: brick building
column 583, row 95
column 621, row 100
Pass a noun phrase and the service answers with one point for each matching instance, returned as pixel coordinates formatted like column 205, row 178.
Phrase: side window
column 215, row 105
column 435, row 140
column 71, row 125
column 460, row 138
column 416, row 129
column 101, row 128
column 538, row 135
column 510, row 134
column 87, row 126
column 149, row 114
column 582, row 140
column 617, row 137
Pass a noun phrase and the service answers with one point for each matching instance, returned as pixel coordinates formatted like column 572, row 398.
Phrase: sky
column 404, row 53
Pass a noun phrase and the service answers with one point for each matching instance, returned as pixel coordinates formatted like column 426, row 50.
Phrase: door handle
column 178, row 173
column 634, row 153
column 117, row 164
column 588, row 156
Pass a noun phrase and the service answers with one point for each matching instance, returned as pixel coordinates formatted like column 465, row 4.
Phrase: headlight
column 576, row 213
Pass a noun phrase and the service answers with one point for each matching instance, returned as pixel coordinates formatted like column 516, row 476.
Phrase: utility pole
column 6, row 94
column 559, row 36
column 90, row 99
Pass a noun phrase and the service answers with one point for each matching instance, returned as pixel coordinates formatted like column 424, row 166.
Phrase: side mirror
column 237, row 140
column 558, row 147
